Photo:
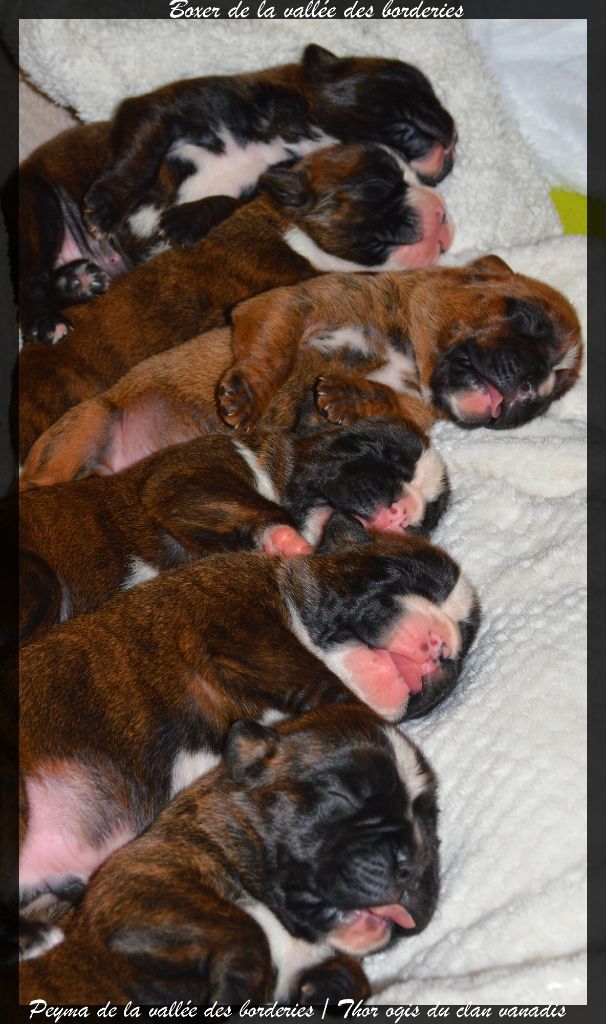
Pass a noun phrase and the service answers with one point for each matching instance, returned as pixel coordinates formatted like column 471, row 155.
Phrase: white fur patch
column 50, row 938
column 399, row 372
column 410, row 770
column 353, row 338
column 301, row 243
column 428, row 477
column 569, row 359
column 144, row 222
column 188, row 766
column 238, row 167
column 262, row 481
column 140, row 571
column 334, row 659
column 460, row 601
column 271, row 716
column 290, row 956
column 314, row 525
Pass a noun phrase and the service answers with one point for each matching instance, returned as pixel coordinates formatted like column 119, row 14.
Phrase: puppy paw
column 285, row 541
column 236, row 399
column 335, row 979
column 36, row 938
column 79, row 281
column 336, row 401
column 102, row 214
column 47, row 329
column 180, row 228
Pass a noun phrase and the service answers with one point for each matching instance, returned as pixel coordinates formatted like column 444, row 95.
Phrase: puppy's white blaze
column 410, row 770
column 334, row 659
column 353, row 338
column 399, row 372
column 140, row 571
column 144, row 222
column 262, row 481
column 271, row 716
column 290, row 956
column 547, row 386
column 429, row 473
column 301, row 243
column 50, row 938
column 569, row 359
column 314, row 525
column 460, row 601
column 188, row 766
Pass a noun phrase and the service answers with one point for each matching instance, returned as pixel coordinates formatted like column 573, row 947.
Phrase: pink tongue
column 409, row 670
column 496, row 398
column 394, row 912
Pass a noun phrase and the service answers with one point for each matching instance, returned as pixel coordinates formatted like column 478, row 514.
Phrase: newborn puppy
column 121, row 708
column 81, row 542
column 346, row 208
column 178, row 160
column 310, row 844
column 479, row 345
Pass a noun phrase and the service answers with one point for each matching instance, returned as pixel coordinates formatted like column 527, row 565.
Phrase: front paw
column 101, row 212
column 335, row 979
column 180, row 228
column 236, row 399
column 47, row 329
column 336, row 401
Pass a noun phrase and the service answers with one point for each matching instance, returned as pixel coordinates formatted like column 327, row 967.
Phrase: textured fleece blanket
column 509, row 746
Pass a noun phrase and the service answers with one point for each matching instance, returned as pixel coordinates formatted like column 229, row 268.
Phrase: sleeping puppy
column 178, row 160
column 312, row 843
column 478, row 345
column 347, row 208
column 82, row 542
column 122, row 707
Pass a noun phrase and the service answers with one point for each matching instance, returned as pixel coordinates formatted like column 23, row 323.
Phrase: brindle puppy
column 312, row 843
column 347, row 208
column 122, row 707
column 81, row 542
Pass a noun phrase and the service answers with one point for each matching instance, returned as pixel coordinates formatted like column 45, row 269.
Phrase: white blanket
column 509, row 746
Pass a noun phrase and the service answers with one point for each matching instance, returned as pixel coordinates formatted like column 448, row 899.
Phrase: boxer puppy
column 270, row 491
column 311, row 844
column 347, row 208
column 478, row 345
column 176, row 161
column 122, row 707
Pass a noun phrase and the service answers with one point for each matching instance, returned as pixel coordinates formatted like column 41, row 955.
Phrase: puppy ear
column 529, row 319
column 247, row 747
column 489, row 266
column 316, row 58
column 286, row 184
column 342, row 531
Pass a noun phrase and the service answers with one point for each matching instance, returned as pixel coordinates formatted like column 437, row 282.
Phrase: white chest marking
column 238, row 167
column 334, row 659
column 187, row 767
column 140, row 571
column 305, row 246
column 262, row 481
column 428, row 479
column 290, row 956
column 413, row 776
column 353, row 338
column 399, row 372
